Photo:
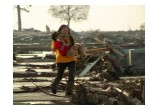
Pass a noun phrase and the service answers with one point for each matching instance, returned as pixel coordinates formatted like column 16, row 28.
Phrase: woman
column 63, row 62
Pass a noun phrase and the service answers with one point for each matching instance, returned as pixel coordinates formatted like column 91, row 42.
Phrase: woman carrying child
column 64, row 60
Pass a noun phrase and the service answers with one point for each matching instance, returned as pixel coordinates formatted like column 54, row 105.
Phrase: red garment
column 61, row 47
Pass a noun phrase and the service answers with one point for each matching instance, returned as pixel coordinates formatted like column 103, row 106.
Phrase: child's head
column 56, row 35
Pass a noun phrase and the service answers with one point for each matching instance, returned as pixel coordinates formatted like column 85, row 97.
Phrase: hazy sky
column 103, row 17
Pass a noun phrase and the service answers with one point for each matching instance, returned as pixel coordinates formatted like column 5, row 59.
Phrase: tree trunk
column 68, row 22
column 69, row 19
column 19, row 18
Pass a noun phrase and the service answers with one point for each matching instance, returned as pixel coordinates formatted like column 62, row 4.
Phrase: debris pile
column 108, row 75
column 119, row 92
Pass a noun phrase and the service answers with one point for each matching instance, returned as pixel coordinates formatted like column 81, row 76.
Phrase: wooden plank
column 35, row 65
column 88, row 67
column 133, row 77
column 39, row 97
column 96, row 50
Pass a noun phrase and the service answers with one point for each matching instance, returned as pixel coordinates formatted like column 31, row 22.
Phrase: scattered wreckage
column 99, row 80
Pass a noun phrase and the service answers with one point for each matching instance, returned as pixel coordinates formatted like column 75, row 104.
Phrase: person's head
column 64, row 29
column 56, row 35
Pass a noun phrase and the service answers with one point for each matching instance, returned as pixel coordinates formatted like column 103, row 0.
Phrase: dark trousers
column 61, row 68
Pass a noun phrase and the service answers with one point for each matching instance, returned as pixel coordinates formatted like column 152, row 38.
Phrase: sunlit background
column 103, row 17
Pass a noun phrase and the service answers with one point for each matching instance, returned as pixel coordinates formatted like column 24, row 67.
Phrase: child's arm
column 69, row 40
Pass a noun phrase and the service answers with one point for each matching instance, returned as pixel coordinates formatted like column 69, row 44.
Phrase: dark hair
column 71, row 38
column 54, row 35
column 63, row 26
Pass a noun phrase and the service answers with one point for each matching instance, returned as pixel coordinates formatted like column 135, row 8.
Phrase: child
column 64, row 45
column 60, row 44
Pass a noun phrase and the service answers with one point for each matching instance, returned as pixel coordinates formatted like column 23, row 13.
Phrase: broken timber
column 88, row 67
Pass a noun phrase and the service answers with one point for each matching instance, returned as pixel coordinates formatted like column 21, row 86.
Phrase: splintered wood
column 119, row 92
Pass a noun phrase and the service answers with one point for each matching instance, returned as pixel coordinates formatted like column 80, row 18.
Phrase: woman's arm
column 61, row 47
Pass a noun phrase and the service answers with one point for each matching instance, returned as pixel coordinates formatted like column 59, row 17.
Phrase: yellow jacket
column 60, row 58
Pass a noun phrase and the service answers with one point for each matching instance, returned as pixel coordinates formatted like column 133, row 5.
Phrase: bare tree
column 19, row 9
column 69, row 12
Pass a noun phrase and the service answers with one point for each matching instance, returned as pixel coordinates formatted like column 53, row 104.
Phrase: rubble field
column 108, row 75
